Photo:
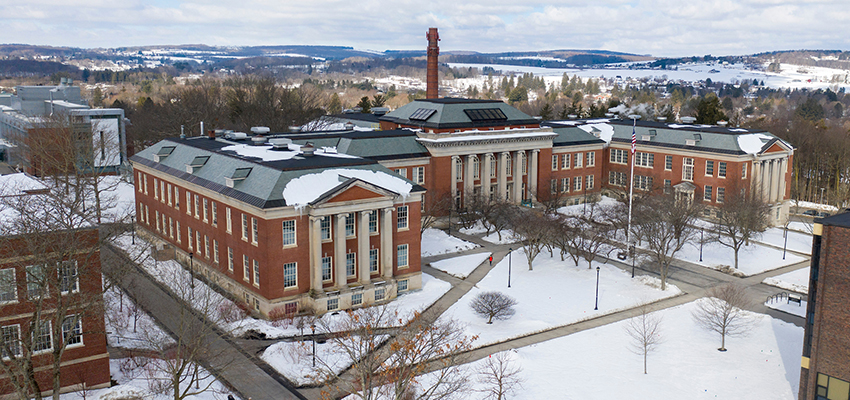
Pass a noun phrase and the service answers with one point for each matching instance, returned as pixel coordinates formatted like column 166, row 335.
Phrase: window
column 706, row 193
column 215, row 251
column 350, row 264
column 688, row 169
column 402, row 286
column 419, row 175
column 619, row 156
column 401, row 255
column 333, row 304
column 170, row 227
column 402, row 172
column 565, row 185
column 668, row 186
column 578, row 160
column 158, row 225
column 72, row 330
column 256, row 273
column 577, row 183
column 155, row 190
column 644, row 160
column 617, row 178
column 721, row 194
column 244, row 227
column 326, row 268
column 198, row 240
column 206, row 246
column 380, row 293
column 554, row 162
column 289, row 233
column 246, row 268
column 168, row 193
column 709, row 168
column 69, row 280
column 11, row 336
column 643, row 182
column 373, row 221
column 254, row 231
column 290, row 275
column 188, row 203
column 206, row 210
column 290, row 308
column 492, row 166
column 177, row 229
column 373, row 260
column 743, row 171
column 832, row 388
column 139, row 182
column 228, row 222
column 230, row 259
column 565, row 161
column 326, row 228
column 509, row 163
column 476, row 168
column 36, row 282
column 349, row 225
column 459, row 169
column 401, row 218
column 8, row 286
column 721, row 171
column 42, row 336
column 591, row 158
column 214, row 214
column 145, row 181
column 356, row 299
column 668, row 163
column 197, row 208
column 589, row 183
column 524, row 160
column 176, row 198
column 553, row 186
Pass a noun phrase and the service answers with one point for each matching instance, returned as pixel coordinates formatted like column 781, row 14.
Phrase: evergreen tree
column 335, row 105
column 709, row 110
column 365, row 105
column 810, row 110
column 547, row 112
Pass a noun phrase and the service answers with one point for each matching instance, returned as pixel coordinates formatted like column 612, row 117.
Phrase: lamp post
column 785, row 244
column 633, row 253
column 192, row 271
column 596, row 307
column 509, row 266
column 701, row 241
column 821, row 194
column 313, row 328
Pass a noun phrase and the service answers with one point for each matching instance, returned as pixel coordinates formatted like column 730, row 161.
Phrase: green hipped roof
column 449, row 113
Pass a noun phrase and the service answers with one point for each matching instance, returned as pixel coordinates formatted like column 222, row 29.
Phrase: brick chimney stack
column 432, row 81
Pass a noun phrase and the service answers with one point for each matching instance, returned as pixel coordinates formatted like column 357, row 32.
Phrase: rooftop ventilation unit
column 349, row 126
column 380, row 110
column 164, row 152
column 661, row 119
column 308, row 150
column 280, row 143
column 260, row 130
column 688, row 120
column 258, row 140
column 235, row 135
column 722, row 123
column 196, row 164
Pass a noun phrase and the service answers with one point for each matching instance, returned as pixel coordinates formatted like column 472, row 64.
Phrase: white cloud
column 658, row 27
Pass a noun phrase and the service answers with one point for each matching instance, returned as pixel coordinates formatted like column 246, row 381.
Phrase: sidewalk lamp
column 821, row 194
column 785, row 244
column 633, row 253
column 701, row 241
column 509, row 266
column 313, row 328
column 596, row 307
column 192, row 270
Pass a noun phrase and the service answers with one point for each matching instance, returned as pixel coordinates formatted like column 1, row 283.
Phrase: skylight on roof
column 422, row 114
column 485, row 114
column 199, row 161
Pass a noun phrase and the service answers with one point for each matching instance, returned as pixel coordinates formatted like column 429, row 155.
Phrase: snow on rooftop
column 752, row 143
column 606, row 130
column 267, row 152
column 569, row 123
column 19, row 184
column 305, row 189
column 738, row 130
column 465, row 136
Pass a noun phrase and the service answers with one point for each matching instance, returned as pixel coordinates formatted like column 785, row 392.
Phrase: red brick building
column 287, row 228
column 825, row 370
column 51, row 305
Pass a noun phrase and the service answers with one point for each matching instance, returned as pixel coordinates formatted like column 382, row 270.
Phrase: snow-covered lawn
column 555, row 293
column 797, row 281
column 598, row 364
column 507, row 236
column 805, row 227
column 127, row 325
column 796, row 241
column 435, row 241
column 789, row 307
column 461, row 266
column 753, row 259
column 134, row 377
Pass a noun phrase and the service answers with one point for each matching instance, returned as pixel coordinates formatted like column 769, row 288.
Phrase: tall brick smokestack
column 433, row 83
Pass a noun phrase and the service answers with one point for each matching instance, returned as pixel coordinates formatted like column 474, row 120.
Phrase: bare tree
column 437, row 207
column 493, row 305
column 665, row 222
column 723, row 311
column 499, row 375
column 533, row 229
column 645, row 332
column 742, row 216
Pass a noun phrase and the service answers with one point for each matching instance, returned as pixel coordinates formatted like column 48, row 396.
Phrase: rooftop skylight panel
column 422, row 114
column 485, row 114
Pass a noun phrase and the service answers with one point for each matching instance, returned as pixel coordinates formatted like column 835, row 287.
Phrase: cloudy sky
column 656, row 27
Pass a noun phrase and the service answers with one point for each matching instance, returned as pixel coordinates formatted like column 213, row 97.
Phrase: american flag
column 634, row 140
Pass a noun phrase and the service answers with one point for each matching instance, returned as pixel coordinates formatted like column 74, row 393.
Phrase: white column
column 771, row 182
column 316, row 254
column 754, row 176
column 340, row 280
column 778, row 185
column 532, row 174
column 782, row 174
column 485, row 174
column 517, row 194
column 453, row 174
column 468, row 179
column 387, row 250
column 502, row 174
column 363, row 248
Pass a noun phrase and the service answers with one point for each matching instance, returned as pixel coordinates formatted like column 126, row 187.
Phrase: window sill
column 74, row 346
column 288, row 246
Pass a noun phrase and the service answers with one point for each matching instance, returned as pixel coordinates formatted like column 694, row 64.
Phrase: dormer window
column 239, row 175
column 196, row 164
column 164, row 152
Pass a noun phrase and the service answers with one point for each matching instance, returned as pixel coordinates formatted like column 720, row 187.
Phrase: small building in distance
column 825, row 370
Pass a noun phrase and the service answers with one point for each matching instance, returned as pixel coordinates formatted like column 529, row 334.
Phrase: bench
column 795, row 298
